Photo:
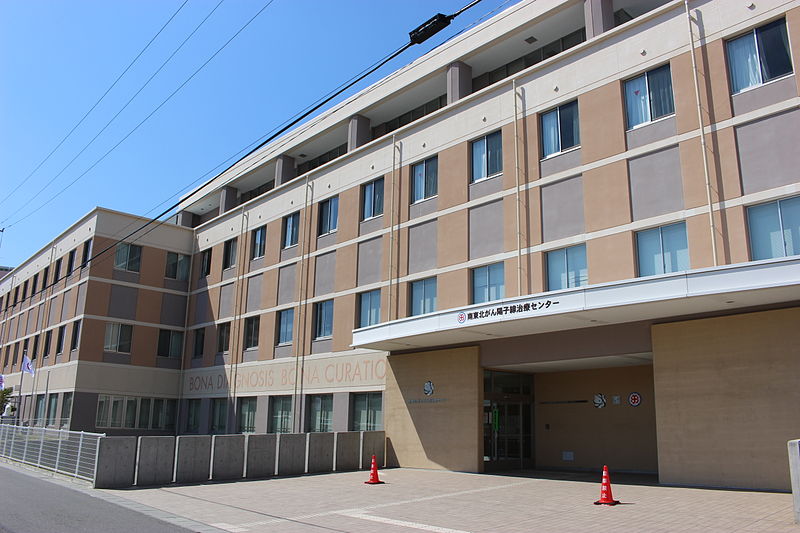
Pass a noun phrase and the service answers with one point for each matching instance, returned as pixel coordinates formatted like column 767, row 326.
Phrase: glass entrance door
column 507, row 422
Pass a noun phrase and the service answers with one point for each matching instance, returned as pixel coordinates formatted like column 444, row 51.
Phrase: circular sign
column 599, row 400
column 428, row 388
column 634, row 399
column 462, row 317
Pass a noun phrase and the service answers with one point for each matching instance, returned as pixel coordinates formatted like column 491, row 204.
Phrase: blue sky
column 58, row 57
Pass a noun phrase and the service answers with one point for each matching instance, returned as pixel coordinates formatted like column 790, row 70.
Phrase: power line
column 43, row 161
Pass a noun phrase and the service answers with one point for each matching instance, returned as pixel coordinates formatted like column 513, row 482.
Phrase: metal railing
column 72, row 453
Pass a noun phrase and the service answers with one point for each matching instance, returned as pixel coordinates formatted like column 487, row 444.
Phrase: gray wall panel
column 486, row 229
column 261, row 454
column 254, row 292
column 485, row 187
column 226, row 300
column 560, row 163
column 66, row 304
column 422, row 247
column 122, row 303
column 173, row 309
column 768, row 151
column 202, row 308
column 325, row 273
column 652, row 132
column 286, row 283
column 767, row 94
column 655, row 183
column 369, row 261
column 228, row 457
column 562, row 209
column 155, row 461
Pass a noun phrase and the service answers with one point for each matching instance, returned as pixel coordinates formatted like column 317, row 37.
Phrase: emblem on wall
column 428, row 388
column 634, row 399
column 599, row 400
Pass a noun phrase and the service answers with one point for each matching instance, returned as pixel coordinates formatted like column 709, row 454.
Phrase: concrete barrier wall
column 794, row 474
column 116, row 462
column 155, row 461
column 228, row 457
column 148, row 461
column 193, row 460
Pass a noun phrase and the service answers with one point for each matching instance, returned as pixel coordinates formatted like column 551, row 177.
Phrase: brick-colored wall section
column 727, row 399
column 454, row 175
column 343, row 321
column 611, row 258
column 793, row 26
column 453, row 289
column 346, row 267
column 602, row 120
column 606, row 196
column 446, row 435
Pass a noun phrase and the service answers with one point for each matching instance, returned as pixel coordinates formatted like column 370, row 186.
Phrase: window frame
column 229, row 253
column 279, row 322
column 377, row 414
column 323, row 329
column 116, row 330
column 223, row 346
column 661, row 245
column 426, row 163
column 651, row 119
column 181, row 272
column 252, row 327
column 486, row 158
column 368, row 190
column 60, row 339
column 371, row 296
column 488, row 273
column 282, row 417
column 174, row 340
column 565, row 251
column 411, row 300
column 319, row 413
column 291, row 223
column 199, row 335
column 328, row 216
column 561, row 150
column 205, row 262
column 753, row 33
column 781, row 227
column 258, row 248
column 127, row 266
column 75, row 338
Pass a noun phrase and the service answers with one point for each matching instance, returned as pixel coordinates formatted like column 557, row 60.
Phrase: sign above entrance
column 527, row 308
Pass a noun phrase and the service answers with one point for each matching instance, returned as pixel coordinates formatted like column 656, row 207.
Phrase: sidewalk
column 451, row 502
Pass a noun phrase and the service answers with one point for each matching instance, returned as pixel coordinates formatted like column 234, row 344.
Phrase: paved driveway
column 421, row 500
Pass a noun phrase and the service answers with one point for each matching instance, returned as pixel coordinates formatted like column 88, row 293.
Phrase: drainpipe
column 299, row 357
column 517, row 192
column 186, row 334
column 237, row 313
column 391, row 228
column 711, row 225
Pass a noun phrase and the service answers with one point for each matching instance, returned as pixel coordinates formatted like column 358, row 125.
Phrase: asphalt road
column 30, row 503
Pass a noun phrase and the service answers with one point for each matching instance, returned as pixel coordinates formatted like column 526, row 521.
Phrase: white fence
column 72, row 453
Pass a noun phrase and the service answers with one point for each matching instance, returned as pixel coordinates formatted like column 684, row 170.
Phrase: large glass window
column 170, row 343
column 280, row 414
column 649, row 96
column 251, row 326
column 247, row 415
column 560, row 129
column 291, row 224
column 127, row 257
column 567, row 268
column 367, row 411
column 487, row 156
column 52, row 406
column 285, row 326
column 76, row 335
column 87, row 253
column 369, row 308
column 223, row 337
column 205, row 262
column 372, row 199
column 259, row 242
column 70, row 262
column 323, row 319
column 199, row 343
column 759, row 56
column 328, row 215
column 131, row 405
column 39, row 414
column 118, row 338
column 488, row 283
column 320, row 412
column 423, row 296
column 229, row 253
column 62, row 331
column 193, row 416
column 425, row 180
column 774, row 229
column 177, row 266
column 219, row 415
column 101, row 420
column 662, row 250
column 66, row 406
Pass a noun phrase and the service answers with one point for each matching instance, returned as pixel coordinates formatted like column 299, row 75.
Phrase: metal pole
column 516, row 177
column 58, row 450
column 78, row 457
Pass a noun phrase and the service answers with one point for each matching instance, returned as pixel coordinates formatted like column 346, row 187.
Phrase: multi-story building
column 565, row 238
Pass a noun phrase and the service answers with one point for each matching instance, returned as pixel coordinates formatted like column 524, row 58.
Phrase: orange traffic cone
column 605, row 490
column 373, row 474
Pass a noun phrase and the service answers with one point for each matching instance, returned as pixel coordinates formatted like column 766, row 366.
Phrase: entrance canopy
column 719, row 289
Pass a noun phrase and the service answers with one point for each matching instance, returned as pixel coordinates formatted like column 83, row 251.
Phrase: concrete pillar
column 284, row 169
column 794, row 474
column 459, row 81
column 185, row 218
column 358, row 132
column 599, row 15
column 227, row 199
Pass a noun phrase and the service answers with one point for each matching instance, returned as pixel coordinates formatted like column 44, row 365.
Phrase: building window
column 48, row 339
column 86, row 255
column 328, row 215
column 488, row 283
column 423, row 296
column 662, row 250
column 128, row 257
column 131, row 408
column 372, row 199
column 56, row 273
column 425, row 178
column 24, row 290
column 369, row 308
column 36, row 345
column 291, row 225
column 66, row 406
column 774, row 229
column 177, row 266
column 323, row 319
column 76, row 335
column 567, row 268
column 560, row 129
column 229, row 254
column 39, row 413
column 52, row 406
column 169, row 343
column 71, row 261
column 223, row 337
column 118, row 338
column 205, row 262
column 145, row 406
column 285, row 326
column 649, row 97
column 320, row 412
column 487, row 156
column 251, row 332
column 280, row 414
column 45, row 273
column 193, row 416
column 367, row 413
column 199, row 343
column 259, row 242
column 35, row 283
column 219, row 415
column 101, row 419
column 759, row 56
column 62, row 330
column 247, row 415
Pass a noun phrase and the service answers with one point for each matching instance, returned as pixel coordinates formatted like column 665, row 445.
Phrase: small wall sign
column 599, row 400
column 428, row 388
column 634, row 399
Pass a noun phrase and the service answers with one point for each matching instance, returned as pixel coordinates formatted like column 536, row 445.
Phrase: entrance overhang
column 719, row 289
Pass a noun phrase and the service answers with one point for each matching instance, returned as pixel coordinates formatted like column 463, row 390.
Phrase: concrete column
column 358, row 132
column 185, row 218
column 227, row 199
column 459, row 81
column 794, row 474
column 599, row 15
column 284, row 169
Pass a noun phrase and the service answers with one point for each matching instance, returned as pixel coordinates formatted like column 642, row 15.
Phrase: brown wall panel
column 606, row 195
column 349, row 213
column 611, row 258
column 453, row 289
column 454, row 175
column 92, row 339
column 143, row 346
column 272, row 253
column 269, row 288
column 266, row 337
column 346, row 267
column 734, row 228
column 602, row 122
column 343, row 321
column 148, row 306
